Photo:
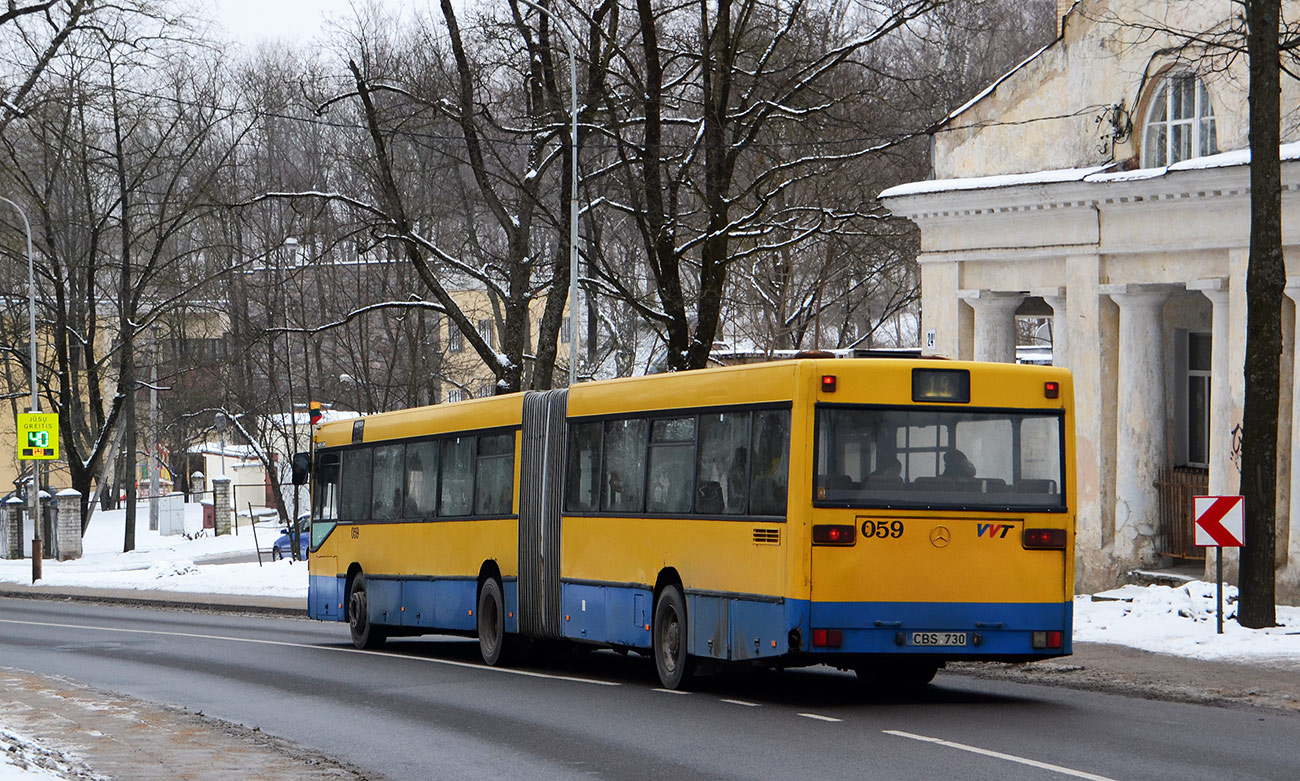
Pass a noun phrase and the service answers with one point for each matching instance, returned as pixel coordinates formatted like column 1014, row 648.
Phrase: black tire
column 276, row 555
column 897, row 677
column 364, row 633
column 669, row 648
column 492, row 623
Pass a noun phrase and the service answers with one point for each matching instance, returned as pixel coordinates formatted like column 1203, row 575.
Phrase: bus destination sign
column 38, row 436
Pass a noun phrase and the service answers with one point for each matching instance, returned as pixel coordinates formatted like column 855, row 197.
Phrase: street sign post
column 1221, row 523
column 38, row 436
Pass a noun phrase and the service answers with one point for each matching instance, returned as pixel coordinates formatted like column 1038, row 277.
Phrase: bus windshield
column 925, row 458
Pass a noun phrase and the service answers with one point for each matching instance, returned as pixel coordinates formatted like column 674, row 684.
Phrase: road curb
column 212, row 603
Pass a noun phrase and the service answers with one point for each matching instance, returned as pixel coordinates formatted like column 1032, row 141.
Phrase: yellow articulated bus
column 879, row 515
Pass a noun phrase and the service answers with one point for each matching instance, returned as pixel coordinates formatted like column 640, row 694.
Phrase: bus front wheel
column 491, row 622
column 671, row 659
column 364, row 633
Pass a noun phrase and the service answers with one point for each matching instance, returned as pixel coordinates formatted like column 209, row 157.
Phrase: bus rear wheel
column 364, row 633
column 491, row 622
column 672, row 661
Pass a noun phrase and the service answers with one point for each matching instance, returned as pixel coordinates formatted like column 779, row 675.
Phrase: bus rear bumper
column 1007, row 631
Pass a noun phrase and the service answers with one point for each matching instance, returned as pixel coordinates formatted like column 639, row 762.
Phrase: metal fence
column 1177, row 485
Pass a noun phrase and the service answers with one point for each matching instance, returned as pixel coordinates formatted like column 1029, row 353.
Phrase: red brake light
column 828, row 383
column 1053, row 639
column 1052, row 390
column 834, row 534
column 1044, row 538
column 827, row 638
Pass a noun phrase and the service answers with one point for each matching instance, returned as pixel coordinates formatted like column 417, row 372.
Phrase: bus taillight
column 827, row 638
column 834, row 534
column 1047, row 640
column 1045, row 539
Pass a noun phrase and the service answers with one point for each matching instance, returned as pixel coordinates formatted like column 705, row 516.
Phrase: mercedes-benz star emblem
column 940, row 536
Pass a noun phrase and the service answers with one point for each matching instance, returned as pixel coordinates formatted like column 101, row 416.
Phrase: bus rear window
column 909, row 457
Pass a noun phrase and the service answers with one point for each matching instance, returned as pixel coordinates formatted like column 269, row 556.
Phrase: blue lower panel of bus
column 992, row 628
column 428, row 603
column 722, row 626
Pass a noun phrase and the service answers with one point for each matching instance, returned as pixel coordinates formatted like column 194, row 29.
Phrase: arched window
column 1180, row 122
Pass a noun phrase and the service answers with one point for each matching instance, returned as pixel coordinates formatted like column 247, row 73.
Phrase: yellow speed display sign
column 38, row 435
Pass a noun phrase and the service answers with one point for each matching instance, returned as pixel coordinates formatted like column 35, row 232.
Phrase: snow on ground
column 1182, row 621
column 171, row 563
column 25, row 759
column 1178, row 621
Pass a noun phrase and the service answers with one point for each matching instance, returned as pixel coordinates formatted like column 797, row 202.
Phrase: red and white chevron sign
column 1220, row 520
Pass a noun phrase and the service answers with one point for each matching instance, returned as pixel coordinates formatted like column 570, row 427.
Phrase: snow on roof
column 1236, row 157
column 989, row 182
column 984, row 93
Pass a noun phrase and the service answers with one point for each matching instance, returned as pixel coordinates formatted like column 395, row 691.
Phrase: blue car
column 284, row 546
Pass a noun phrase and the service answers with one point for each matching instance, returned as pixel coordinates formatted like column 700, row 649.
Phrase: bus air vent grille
column 767, row 536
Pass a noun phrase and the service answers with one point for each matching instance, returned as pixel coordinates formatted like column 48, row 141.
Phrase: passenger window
column 623, row 482
column 355, row 485
column 496, row 471
column 421, row 480
column 387, row 501
column 457, row 476
column 672, row 461
column 583, row 490
column 326, row 500
column 722, row 476
column 771, row 464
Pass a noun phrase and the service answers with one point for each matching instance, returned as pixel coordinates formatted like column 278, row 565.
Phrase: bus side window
column 388, row 466
column 325, row 506
column 421, row 480
column 722, row 473
column 623, row 481
column 771, row 463
column 354, row 485
column 457, row 476
column 494, row 486
column 583, row 490
column 672, row 457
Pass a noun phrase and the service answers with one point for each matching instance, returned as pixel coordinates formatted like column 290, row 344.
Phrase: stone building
column 1106, row 177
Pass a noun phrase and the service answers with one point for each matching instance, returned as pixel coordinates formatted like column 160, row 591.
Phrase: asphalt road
column 425, row 708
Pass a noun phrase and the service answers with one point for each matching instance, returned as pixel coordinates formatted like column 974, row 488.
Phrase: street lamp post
column 571, row 44
column 34, row 493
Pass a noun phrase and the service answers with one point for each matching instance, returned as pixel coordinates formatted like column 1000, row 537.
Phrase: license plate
column 939, row 638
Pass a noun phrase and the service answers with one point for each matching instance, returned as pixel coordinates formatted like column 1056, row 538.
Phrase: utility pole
column 153, row 436
column 34, row 493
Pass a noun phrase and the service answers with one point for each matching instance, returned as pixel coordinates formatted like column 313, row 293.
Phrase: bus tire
column 672, row 661
column 491, row 623
column 364, row 633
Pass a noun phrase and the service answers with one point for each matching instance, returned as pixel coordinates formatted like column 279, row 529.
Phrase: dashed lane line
column 819, row 717
column 670, row 691
column 742, row 703
column 1067, row 771
column 336, row 649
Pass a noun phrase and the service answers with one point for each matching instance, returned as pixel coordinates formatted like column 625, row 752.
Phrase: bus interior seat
column 708, row 497
column 994, row 485
column 840, row 483
column 1036, row 486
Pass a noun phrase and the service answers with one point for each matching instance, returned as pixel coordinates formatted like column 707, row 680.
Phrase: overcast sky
column 252, row 21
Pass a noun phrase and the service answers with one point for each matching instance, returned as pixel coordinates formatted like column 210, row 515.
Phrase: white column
column 1140, row 436
column 1288, row 540
column 995, row 323
column 1055, row 298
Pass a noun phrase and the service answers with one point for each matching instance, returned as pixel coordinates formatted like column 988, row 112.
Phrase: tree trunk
column 1265, row 280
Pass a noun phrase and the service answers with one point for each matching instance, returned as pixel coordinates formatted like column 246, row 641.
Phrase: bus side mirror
column 301, row 468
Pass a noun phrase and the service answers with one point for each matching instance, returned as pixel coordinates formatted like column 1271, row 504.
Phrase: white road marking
column 670, row 691
column 999, row 755
column 741, row 702
column 818, row 717
column 447, row 662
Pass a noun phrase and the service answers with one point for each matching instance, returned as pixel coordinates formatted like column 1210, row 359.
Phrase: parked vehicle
column 284, row 545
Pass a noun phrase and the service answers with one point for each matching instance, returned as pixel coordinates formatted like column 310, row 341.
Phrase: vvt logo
column 996, row 531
